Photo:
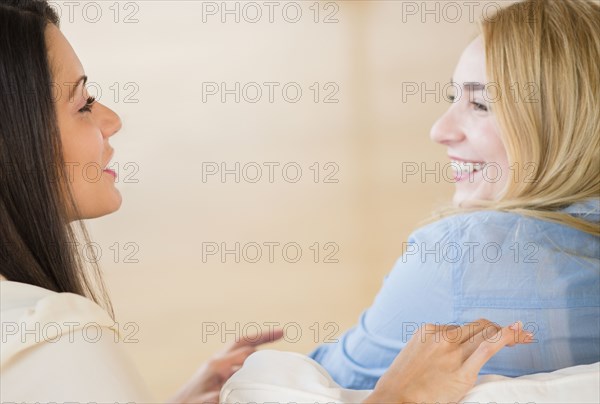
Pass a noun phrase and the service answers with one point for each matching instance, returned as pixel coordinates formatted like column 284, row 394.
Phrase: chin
column 114, row 205
column 463, row 198
column 459, row 199
column 106, row 207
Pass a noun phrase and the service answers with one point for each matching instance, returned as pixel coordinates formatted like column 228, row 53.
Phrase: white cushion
column 285, row 377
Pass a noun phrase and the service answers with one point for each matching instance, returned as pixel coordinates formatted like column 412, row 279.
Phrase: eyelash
column 88, row 105
column 478, row 106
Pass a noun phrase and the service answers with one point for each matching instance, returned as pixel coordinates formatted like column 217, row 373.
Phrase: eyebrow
column 83, row 79
column 471, row 85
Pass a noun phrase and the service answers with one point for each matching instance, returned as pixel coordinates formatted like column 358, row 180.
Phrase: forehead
column 64, row 63
column 471, row 65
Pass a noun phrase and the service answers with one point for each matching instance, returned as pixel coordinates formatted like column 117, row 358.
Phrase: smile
column 467, row 167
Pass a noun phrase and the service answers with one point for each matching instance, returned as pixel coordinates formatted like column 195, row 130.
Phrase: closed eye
column 480, row 107
column 88, row 105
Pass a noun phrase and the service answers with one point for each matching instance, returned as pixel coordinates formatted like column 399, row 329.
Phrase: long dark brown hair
column 38, row 243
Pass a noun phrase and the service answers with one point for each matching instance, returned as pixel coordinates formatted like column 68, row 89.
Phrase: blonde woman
column 522, row 239
column 58, row 343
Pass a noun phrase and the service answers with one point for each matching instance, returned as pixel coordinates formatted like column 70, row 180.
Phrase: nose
column 447, row 130
column 110, row 122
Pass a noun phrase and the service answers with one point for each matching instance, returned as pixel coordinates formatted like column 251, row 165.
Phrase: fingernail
column 514, row 326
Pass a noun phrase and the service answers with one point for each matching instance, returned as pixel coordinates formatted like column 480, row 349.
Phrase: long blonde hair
column 549, row 50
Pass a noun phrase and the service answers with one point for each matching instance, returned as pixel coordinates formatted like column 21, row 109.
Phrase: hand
column 205, row 385
column 440, row 364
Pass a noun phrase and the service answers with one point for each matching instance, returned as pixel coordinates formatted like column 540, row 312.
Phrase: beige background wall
column 170, row 135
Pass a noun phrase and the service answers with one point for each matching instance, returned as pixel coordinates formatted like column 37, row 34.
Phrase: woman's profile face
column 85, row 129
column 470, row 132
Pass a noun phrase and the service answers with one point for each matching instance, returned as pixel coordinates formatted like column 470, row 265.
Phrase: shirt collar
column 584, row 208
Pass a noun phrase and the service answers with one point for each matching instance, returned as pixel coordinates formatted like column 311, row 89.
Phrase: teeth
column 467, row 167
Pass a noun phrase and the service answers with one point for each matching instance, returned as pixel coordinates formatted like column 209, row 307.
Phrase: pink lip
column 111, row 172
column 459, row 178
column 459, row 159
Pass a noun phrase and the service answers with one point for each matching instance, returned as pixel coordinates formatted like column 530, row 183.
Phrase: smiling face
column 471, row 134
column 85, row 128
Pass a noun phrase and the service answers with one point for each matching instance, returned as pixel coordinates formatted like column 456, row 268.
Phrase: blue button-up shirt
column 487, row 264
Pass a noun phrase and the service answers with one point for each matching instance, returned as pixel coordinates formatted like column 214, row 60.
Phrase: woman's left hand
column 440, row 364
column 205, row 385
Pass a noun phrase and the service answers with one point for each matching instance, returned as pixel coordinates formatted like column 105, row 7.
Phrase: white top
column 288, row 377
column 60, row 347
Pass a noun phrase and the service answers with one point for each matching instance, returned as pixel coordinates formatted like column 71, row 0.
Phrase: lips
column 465, row 168
column 111, row 172
column 459, row 159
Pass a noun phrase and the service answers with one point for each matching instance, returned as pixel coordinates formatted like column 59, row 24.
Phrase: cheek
column 497, row 174
column 485, row 142
column 498, row 155
column 82, row 152
column 490, row 146
column 82, row 143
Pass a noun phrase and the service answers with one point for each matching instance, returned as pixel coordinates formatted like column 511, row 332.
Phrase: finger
column 237, row 357
column 465, row 333
column 223, row 364
column 436, row 331
column 521, row 336
column 487, row 349
column 233, row 361
column 481, row 326
column 486, row 334
column 256, row 340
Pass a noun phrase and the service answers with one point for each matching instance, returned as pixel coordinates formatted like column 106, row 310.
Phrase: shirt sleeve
column 418, row 290
column 67, row 350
